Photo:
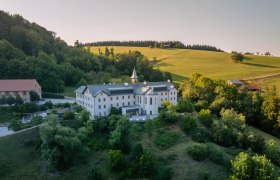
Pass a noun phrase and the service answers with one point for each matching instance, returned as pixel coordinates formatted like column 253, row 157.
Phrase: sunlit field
column 183, row 62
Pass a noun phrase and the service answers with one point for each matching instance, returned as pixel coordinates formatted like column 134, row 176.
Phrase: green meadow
column 183, row 62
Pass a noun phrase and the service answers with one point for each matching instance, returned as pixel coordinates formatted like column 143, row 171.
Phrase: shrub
column 165, row 172
column 222, row 135
column 204, row 175
column 94, row 172
column 68, row 115
column 168, row 117
column 14, row 125
column 200, row 135
column 149, row 127
column 52, row 95
column 63, row 149
column 273, row 151
column 18, row 100
column 188, row 123
column 147, row 164
column 136, row 152
column 136, row 132
column 197, row 151
column 34, row 96
column 205, row 117
column 119, row 138
column 3, row 100
column 37, row 120
column 47, row 105
column 114, row 110
column 167, row 105
column 166, row 139
column 256, row 143
column 30, row 107
column 215, row 154
column 201, row 104
column 237, row 57
column 116, row 159
column 10, row 100
column 257, row 167
column 185, row 106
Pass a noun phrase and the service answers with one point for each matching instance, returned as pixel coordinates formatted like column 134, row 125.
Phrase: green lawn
column 184, row 62
column 69, row 91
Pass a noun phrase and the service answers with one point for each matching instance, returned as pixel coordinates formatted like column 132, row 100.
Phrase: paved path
column 23, row 130
column 57, row 101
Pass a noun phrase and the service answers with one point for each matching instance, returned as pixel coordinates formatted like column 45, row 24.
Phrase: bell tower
column 134, row 77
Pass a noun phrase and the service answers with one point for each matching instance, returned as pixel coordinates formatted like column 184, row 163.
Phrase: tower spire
column 134, row 77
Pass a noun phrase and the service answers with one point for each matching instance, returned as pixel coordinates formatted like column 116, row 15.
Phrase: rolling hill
column 183, row 62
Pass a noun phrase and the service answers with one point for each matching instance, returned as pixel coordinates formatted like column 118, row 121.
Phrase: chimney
column 145, row 82
column 168, row 80
column 125, row 84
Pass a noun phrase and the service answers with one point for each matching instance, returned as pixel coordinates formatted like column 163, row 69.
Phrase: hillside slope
column 183, row 62
column 21, row 157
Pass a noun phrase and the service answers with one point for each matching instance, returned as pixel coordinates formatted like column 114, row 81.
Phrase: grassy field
column 272, row 81
column 183, row 62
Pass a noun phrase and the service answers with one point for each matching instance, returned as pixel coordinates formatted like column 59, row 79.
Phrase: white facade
column 143, row 99
column 100, row 104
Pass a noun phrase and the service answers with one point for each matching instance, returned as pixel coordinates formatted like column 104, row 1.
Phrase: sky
column 232, row 25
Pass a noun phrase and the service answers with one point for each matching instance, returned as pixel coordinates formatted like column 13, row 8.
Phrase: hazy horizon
column 239, row 25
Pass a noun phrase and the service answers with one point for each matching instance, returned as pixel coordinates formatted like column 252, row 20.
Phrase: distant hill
column 183, row 62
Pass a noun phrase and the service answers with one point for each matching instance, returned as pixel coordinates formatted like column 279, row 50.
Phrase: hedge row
column 52, row 95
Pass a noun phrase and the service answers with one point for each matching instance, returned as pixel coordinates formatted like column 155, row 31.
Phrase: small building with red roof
column 21, row 87
column 252, row 87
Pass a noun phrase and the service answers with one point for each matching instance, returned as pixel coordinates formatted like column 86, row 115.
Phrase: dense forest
column 152, row 44
column 28, row 50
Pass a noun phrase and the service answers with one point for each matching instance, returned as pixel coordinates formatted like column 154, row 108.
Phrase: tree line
column 28, row 50
column 152, row 44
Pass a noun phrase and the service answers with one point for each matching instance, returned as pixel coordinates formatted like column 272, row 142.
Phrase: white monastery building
column 134, row 99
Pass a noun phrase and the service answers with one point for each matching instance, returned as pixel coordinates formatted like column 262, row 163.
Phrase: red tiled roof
column 252, row 86
column 18, row 85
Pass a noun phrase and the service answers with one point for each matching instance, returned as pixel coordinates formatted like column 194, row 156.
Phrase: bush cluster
column 52, row 95
column 197, row 151
column 167, row 117
column 188, row 123
column 215, row 154
column 200, row 135
column 205, row 117
column 185, row 106
column 166, row 139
